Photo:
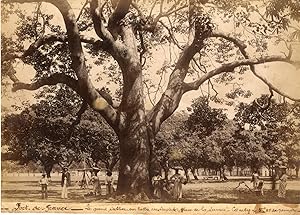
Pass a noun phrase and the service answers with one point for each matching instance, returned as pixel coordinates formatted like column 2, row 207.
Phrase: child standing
column 44, row 185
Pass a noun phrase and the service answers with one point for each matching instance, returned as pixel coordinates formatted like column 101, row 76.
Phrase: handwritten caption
column 149, row 209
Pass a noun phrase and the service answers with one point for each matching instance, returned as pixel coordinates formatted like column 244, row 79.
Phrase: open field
column 26, row 188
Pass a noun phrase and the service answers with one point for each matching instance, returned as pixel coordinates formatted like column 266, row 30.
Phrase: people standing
column 157, row 185
column 109, row 183
column 96, row 183
column 65, row 183
column 177, row 180
column 255, row 179
column 44, row 184
column 282, row 183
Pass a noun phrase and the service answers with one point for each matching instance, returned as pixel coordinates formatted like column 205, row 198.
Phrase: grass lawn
column 194, row 192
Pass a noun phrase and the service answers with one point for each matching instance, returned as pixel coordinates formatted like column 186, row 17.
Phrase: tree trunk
column 134, row 175
column 195, row 174
column 274, row 175
column 48, row 168
column 297, row 171
column 135, row 136
column 166, row 170
column 113, row 164
column 186, row 172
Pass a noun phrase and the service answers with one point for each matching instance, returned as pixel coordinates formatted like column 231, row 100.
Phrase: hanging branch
column 266, row 106
column 81, row 11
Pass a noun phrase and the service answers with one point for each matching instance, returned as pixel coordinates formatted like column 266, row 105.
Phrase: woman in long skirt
column 282, row 184
column 177, row 180
column 96, row 184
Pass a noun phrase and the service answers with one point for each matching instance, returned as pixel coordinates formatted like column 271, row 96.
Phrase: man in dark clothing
column 65, row 183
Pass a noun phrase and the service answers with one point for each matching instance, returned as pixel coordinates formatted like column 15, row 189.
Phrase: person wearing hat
column 177, row 180
column 282, row 182
column 44, row 184
column 65, row 183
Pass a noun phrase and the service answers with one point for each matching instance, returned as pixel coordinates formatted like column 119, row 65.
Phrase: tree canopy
column 117, row 41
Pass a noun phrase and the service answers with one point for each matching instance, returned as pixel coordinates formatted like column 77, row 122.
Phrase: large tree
column 26, row 137
column 126, row 33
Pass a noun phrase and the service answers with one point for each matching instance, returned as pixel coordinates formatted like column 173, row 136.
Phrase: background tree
column 126, row 33
column 49, row 133
column 272, row 125
column 97, row 139
column 275, row 127
column 25, row 135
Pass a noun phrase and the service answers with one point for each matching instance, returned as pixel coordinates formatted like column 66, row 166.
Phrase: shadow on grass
column 218, row 193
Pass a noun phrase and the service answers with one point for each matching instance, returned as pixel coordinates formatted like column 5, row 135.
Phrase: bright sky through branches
column 282, row 75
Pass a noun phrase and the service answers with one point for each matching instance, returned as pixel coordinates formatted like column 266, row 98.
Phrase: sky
column 282, row 75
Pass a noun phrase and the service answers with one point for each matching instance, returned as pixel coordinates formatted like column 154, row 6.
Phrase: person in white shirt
column 44, row 184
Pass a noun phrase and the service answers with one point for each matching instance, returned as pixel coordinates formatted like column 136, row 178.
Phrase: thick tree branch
column 119, row 13
column 170, row 99
column 47, row 39
column 242, row 47
column 85, row 87
column 34, row 46
column 82, row 109
column 229, row 67
column 96, row 12
column 277, row 90
column 51, row 80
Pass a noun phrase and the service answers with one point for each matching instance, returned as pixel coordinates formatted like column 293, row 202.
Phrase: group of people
column 257, row 184
column 66, row 182
column 282, row 183
column 97, row 185
column 165, row 189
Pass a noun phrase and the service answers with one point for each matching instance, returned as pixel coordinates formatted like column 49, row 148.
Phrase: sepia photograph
column 150, row 106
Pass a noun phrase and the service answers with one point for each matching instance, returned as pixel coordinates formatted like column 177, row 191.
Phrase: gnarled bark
column 134, row 160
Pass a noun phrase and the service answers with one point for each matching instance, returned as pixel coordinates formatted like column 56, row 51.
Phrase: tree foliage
column 126, row 36
column 46, row 132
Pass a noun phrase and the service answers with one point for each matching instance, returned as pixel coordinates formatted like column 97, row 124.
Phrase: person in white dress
column 177, row 180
